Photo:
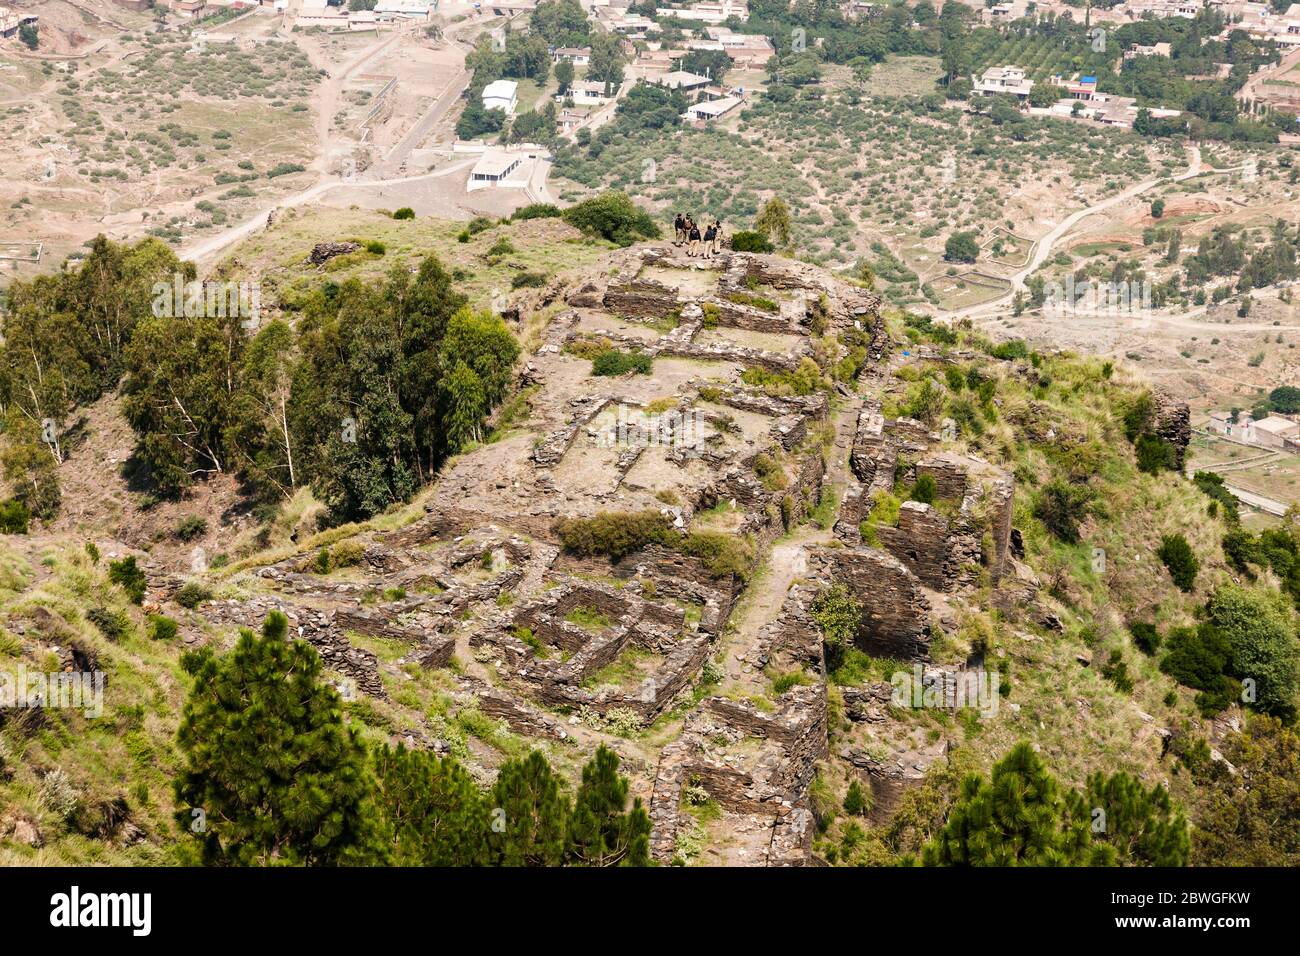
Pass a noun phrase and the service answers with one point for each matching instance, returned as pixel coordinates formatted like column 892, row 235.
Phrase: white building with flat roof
column 1272, row 432
column 586, row 93
column 493, row 169
column 709, row 110
column 417, row 10
column 681, row 80
column 501, row 95
column 708, row 12
column 1008, row 80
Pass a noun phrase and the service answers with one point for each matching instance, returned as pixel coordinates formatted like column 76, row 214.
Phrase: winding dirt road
column 1043, row 247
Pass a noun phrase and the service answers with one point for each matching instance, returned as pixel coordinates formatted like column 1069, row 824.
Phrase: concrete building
column 1158, row 9
column 493, row 169
column 657, row 62
column 707, row 111
column 1155, row 49
column 1003, row 80
column 501, row 95
column 578, row 56
column 745, row 49
column 11, row 20
column 586, row 93
column 405, row 10
column 681, row 80
column 708, row 12
column 185, row 9
column 1275, row 431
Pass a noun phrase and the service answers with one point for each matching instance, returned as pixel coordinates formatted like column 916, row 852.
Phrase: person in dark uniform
column 679, row 230
column 710, row 234
column 694, row 248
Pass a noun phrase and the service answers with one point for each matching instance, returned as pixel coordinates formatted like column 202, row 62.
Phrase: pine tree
column 855, row 801
column 272, row 774
column 1144, row 826
column 1018, row 818
column 601, row 832
column 433, row 813
column 1252, row 817
column 530, row 814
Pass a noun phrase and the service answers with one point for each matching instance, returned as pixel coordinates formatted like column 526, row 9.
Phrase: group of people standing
column 687, row 231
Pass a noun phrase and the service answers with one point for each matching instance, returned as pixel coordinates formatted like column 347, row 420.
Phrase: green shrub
column 112, row 624
column 1179, row 558
column 528, row 280
column 537, row 210
column 127, row 575
column 856, row 803
column 615, row 362
column 925, row 490
column 612, row 216
column 757, row 301
column 14, row 517
column 839, row 615
column 161, row 628
column 1060, row 507
column 1198, row 658
column 614, row 533
column 406, row 212
column 1145, row 636
column 746, row 240
column 722, row 554
column 192, row 594
column 1155, row 454
column 783, row 682
column 1115, row 670
column 192, row 527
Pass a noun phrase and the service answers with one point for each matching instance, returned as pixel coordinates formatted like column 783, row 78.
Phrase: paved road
column 392, row 163
column 1267, row 505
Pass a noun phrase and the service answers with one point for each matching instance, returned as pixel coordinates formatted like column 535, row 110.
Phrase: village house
column 1156, row 49
column 1275, row 431
column 1003, row 80
column 681, row 80
column 862, row 9
column 631, row 25
column 186, row 9
column 577, row 55
column 501, row 95
column 745, row 49
column 11, row 20
column 509, row 8
column 568, row 120
column 1159, row 9
column 1077, row 88
column 657, row 62
column 586, row 93
column 709, row 12
column 404, row 10
column 706, row 111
